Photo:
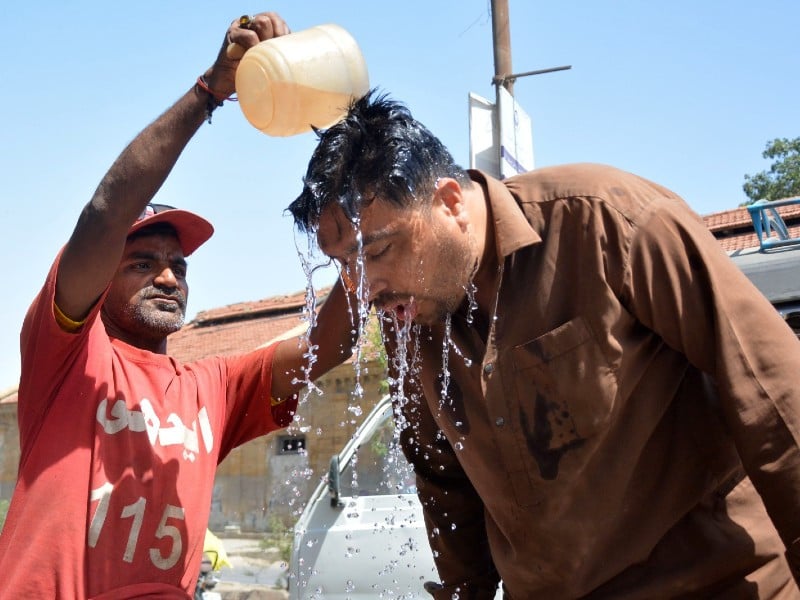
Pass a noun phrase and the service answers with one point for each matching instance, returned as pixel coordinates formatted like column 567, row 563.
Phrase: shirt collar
column 512, row 230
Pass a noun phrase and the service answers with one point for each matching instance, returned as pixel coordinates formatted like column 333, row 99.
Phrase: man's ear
column 450, row 196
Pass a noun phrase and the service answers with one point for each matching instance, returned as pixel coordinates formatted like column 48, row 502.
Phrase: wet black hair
column 377, row 150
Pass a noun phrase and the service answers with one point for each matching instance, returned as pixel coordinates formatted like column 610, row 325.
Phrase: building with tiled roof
column 270, row 477
column 229, row 329
column 734, row 228
column 9, row 441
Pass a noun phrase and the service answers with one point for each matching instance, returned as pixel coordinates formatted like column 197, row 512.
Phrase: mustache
column 389, row 300
column 156, row 292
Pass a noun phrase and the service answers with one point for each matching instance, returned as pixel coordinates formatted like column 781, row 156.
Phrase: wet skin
column 417, row 261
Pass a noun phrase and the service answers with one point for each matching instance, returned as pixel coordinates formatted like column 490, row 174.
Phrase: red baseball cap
column 193, row 230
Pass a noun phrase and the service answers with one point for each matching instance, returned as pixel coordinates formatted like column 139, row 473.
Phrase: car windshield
column 378, row 467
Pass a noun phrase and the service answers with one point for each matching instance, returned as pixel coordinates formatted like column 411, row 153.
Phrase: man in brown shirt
column 596, row 401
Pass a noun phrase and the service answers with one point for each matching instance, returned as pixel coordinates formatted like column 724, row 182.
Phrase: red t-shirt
column 119, row 447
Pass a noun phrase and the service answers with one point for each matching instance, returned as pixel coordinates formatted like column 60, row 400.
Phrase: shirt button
column 499, row 421
column 488, row 368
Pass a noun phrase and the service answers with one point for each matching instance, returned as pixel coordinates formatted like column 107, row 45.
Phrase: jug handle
column 234, row 51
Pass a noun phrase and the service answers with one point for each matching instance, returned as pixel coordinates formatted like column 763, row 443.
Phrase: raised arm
column 93, row 252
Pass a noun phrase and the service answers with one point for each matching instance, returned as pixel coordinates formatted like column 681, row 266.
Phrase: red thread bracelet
column 201, row 81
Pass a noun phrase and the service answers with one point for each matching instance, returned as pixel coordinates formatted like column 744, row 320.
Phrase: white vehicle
column 777, row 275
column 362, row 534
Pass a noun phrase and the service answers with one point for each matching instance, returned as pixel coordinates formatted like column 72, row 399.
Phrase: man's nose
column 375, row 288
column 166, row 278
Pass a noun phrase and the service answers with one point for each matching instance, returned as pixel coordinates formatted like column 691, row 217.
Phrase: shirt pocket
column 565, row 391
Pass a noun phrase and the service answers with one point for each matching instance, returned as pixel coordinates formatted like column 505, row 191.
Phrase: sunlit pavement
column 255, row 573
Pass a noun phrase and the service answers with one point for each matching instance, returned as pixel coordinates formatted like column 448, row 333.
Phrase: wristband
column 214, row 99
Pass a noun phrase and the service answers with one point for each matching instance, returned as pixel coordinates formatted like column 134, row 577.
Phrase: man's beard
column 453, row 271
column 160, row 320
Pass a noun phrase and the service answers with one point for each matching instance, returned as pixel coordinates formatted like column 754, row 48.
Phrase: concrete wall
column 9, row 449
column 258, row 483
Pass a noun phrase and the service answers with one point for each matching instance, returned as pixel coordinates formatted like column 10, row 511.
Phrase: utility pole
column 513, row 142
column 501, row 36
column 501, row 44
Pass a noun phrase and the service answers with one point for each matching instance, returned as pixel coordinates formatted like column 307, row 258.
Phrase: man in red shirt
column 120, row 442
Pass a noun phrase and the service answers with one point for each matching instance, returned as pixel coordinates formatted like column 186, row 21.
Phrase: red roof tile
column 197, row 340
column 9, row 396
column 239, row 327
column 738, row 218
column 750, row 239
column 734, row 228
column 248, row 309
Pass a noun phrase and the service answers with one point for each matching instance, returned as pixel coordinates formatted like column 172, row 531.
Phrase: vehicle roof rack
column 769, row 225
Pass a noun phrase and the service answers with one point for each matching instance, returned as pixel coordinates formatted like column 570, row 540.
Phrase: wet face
column 416, row 262
column 147, row 298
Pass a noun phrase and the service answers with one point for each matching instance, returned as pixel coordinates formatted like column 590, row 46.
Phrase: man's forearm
column 141, row 169
column 93, row 252
column 332, row 339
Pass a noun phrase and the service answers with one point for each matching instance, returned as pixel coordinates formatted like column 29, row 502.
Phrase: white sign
column 499, row 144
column 484, row 147
column 516, row 136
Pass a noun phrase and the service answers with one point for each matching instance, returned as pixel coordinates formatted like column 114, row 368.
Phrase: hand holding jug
column 288, row 84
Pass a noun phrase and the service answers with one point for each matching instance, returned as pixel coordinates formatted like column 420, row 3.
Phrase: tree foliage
column 782, row 180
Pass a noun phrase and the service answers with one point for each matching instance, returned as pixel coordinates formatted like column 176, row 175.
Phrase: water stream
column 403, row 377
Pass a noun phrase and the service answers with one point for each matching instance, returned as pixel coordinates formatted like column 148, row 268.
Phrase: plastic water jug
column 288, row 84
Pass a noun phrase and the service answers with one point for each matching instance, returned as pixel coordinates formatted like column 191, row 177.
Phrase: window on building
column 288, row 444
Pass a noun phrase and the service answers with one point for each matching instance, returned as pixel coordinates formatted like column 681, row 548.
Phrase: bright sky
column 685, row 93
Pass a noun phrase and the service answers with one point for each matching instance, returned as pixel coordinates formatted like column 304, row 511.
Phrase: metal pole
column 504, row 77
column 514, row 76
column 501, row 38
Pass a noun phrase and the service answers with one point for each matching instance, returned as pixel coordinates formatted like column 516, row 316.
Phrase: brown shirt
column 596, row 440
